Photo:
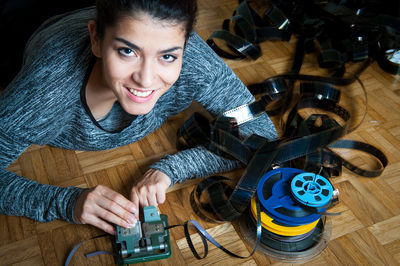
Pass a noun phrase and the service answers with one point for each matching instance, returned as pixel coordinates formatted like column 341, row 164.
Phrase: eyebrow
column 135, row 47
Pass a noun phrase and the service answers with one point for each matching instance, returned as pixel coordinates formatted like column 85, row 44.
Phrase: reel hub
column 311, row 190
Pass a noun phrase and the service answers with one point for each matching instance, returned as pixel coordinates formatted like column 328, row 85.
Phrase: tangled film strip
column 339, row 31
column 282, row 199
column 287, row 177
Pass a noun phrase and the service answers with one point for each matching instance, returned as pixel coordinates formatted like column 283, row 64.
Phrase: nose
column 145, row 75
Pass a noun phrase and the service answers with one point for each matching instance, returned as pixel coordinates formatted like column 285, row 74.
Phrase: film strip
column 339, row 32
column 291, row 212
column 293, row 202
column 249, row 30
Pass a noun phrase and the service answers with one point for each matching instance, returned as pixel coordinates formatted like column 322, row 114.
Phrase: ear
column 94, row 40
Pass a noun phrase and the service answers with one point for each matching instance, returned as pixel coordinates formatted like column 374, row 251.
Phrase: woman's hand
column 101, row 206
column 150, row 190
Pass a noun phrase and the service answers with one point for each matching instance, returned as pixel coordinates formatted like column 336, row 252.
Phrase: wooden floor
column 366, row 233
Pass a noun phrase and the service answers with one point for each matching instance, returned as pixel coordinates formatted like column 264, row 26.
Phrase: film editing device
column 147, row 240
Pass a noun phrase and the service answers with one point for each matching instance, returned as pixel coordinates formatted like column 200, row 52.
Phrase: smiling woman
column 139, row 59
column 107, row 76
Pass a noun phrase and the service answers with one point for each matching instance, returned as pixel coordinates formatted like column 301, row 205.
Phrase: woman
column 101, row 78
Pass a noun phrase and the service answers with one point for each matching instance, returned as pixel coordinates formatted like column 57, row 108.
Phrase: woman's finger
column 93, row 205
column 143, row 199
column 152, row 199
column 135, row 199
column 119, row 199
column 112, row 212
column 160, row 196
column 101, row 224
column 120, row 206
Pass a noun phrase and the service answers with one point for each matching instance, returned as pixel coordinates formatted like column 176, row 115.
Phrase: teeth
column 140, row 93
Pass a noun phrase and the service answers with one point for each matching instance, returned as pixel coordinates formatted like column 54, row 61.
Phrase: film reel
column 311, row 190
column 269, row 224
column 274, row 193
column 292, row 228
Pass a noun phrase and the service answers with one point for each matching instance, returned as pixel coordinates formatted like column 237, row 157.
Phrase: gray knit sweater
column 43, row 105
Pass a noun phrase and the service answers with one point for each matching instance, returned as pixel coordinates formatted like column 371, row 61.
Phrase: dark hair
column 180, row 11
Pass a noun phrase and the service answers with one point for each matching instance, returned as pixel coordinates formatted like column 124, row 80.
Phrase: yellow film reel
column 268, row 224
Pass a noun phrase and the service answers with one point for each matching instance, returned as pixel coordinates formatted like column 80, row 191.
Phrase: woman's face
column 141, row 58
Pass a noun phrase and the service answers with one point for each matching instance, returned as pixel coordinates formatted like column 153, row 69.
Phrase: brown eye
column 126, row 51
column 169, row 58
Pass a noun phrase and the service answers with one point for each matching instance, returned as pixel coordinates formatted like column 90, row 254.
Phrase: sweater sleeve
column 35, row 108
column 27, row 117
column 222, row 91
column 199, row 162
column 20, row 196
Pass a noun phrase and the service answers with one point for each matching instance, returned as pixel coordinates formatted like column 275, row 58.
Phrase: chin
column 139, row 110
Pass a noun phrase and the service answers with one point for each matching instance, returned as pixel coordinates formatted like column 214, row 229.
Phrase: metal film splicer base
column 145, row 241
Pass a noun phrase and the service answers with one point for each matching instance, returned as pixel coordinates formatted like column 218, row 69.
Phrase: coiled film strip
column 307, row 142
column 341, row 32
column 302, row 139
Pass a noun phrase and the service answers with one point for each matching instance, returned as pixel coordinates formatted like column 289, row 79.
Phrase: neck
column 99, row 96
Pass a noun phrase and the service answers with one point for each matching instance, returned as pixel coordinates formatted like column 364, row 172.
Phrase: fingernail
column 130, row 225
column 132, row 219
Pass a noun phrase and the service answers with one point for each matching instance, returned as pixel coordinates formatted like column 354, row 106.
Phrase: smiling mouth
column 140, row 93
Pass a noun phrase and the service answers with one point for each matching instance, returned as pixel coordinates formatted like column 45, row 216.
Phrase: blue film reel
column 274, row 193
column 312, row 190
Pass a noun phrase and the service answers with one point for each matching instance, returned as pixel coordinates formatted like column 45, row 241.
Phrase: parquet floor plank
column 372, row 248
column 394, row 249
column 94, row 161
column 19, row 251
column 386, row 231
